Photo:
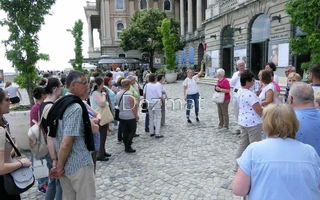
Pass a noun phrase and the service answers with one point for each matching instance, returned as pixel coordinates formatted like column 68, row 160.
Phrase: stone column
column 156, row 4
column 108, row 25
column 190, row 21
column 131, row 7
column 103, row 24
column 199, row 14
column 90, row 34
column 182, row 18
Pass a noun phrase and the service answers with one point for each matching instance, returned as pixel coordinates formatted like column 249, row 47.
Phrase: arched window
column 119, row 4
column 119, row 27
column 143, row 4
column 167, row 5
column 122, row 55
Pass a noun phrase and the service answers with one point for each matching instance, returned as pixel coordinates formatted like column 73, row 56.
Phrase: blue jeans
column 146, row 125
column 192, row 99
column 54, row 189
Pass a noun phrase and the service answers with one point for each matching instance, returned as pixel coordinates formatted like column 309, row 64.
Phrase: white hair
column 240, row 62
column 221, row 72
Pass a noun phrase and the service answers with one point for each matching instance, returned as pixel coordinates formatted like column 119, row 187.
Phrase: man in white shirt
column 235, row 83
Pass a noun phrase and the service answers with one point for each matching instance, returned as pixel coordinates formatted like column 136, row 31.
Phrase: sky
column 53, row 38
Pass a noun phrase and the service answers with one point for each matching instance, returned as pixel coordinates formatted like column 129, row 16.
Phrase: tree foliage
column 169, row 43
column 24, row 21
column 305, row 14
column 144, row 35
column 77, row 32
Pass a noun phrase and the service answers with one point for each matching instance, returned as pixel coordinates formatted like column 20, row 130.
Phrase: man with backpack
column 70, row 141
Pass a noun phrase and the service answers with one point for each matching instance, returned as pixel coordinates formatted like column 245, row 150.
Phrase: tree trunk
column 30, row 91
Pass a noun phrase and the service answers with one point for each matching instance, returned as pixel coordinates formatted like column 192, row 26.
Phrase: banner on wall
column 279, row 53
column 239, row 53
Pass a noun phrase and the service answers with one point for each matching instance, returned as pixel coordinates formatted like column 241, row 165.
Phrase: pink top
column 277, row 86
column 224, row 84
column 34, row 113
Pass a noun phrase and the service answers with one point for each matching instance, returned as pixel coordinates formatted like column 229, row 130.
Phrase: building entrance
column 227, row 61
column 259, row 55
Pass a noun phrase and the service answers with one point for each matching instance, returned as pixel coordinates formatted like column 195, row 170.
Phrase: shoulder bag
column 218, row 97
column 144, row 105
column 19, row 180
column 117, row 111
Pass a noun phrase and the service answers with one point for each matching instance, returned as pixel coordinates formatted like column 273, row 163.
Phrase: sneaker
column 189, row 121
column 219, row 127
column 119, row 142
column 197, row 119
column 42, row 190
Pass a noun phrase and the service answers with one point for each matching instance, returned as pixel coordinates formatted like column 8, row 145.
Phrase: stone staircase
column 213, row 81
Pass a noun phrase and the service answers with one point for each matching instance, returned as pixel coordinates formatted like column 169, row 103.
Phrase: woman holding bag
column 98, row 98
column 7, row 164
column 223, row 86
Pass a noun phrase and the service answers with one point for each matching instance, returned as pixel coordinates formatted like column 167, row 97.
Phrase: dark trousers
column 146, row 127
column 103, row 137
column 128, row 128
column 192, row 98
column 120, row 137
column 3, row 193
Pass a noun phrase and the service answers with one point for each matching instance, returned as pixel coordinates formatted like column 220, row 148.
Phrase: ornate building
column 110, row 17
column 221, row 31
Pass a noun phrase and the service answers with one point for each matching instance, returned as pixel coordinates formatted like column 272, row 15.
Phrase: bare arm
column 64, row 151
column 134, row 107
column 201, row 69
column 185, row 92
column 6, row 168
column 256, row 107
column 19, row 93
column 94, row 126
column 52, row 150
column 269, row 98
column 241, row 183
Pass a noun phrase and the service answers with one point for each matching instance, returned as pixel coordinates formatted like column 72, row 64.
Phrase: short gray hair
column 240, row 62
column 302, row 92
column 74, row 76
column 291, row 67
column 131, row 78
column 221, row 72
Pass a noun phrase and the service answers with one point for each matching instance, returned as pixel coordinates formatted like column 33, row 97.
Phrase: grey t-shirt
column 125, row 107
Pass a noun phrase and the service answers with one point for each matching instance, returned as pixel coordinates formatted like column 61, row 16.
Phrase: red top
column 34, row 113
column 224, row 84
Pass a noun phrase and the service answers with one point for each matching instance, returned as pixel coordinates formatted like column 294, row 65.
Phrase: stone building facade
column 219, row 31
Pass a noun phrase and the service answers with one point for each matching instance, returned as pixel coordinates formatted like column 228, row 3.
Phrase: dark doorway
column 298, row 61
column 227, row 61
column 227, row 50
column 258, row 56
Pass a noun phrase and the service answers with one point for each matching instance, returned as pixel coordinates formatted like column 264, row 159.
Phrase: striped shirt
column 72, row 125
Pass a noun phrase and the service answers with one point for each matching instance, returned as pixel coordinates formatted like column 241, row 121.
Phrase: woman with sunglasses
column 7, row 164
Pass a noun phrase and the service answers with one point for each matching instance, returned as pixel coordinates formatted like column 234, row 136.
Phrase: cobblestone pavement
column 190, row 162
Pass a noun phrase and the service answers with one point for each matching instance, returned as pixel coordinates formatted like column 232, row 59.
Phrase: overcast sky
column 53, row 38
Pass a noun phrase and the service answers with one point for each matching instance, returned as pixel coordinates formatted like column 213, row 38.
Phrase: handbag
column 106, row 115
column 218, row 97
column 117, row 111
column 40, row 169
column 20, row 180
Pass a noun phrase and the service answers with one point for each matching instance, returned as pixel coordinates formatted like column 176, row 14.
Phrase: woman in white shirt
column 191, row 93
column 250, row 112
column 152, row 93
column 268, row 92
column 13, row 92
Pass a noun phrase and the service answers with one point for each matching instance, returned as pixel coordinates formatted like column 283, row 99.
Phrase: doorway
column 258, row 56
column 227, row 61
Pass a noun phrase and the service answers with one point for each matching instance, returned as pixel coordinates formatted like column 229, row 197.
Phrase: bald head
column 302, row 94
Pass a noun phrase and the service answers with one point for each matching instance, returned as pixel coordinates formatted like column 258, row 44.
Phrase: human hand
column 56, row 173
column 137, row 118
column 202, row 62
column 25, row 162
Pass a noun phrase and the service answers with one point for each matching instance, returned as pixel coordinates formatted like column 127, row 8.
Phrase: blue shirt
column 281, row 169
column 309, row 131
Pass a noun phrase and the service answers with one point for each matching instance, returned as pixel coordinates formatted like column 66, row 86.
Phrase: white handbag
column 40, row 169
column 218, row 97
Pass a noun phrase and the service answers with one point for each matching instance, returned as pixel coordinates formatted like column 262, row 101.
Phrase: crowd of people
column 275, row 136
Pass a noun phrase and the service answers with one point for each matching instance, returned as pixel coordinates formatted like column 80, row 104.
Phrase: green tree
column 144, row 35
column 169, row 43
column 77, row 34
column 305, row 14
column 24, row 21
